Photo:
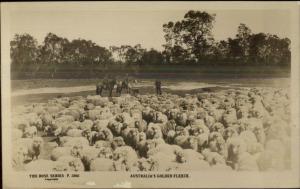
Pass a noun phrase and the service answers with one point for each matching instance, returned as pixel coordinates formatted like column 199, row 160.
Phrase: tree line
column 187, row 41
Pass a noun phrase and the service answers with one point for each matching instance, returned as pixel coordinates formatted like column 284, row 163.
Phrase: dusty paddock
column 40, row 90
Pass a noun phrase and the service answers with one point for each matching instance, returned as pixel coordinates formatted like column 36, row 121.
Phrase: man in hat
column 158, row 87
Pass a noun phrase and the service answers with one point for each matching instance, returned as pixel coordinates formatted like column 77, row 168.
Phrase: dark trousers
column 158, row 90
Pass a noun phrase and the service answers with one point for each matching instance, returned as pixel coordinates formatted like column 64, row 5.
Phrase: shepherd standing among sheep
column 158, row 87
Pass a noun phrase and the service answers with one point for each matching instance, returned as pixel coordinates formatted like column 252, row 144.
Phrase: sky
column 108, row 24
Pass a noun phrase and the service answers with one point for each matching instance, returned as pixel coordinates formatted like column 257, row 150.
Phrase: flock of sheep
column 246, row 129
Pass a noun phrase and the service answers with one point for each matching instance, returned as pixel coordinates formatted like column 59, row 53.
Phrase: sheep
column 198, row 126
column 230, row 132
column 238, row 157
column 117, row 142
column 34, row 146
column 87, row 154
column 229, row 117
column 241, row 100
column 206, row 104
column 115, row 127
column 218, row 127
column 238, row 129
column 78, row 101
column 75, row 125
column 98, row 114
column 105, row 152
column 141, row 125
column 75, row 133
column 148, row 114
column 93, row 114
column 97, row 100
column 187, row 142
column 38, row 109
column 201, row 113
column 40, row 165
column 191, row 117
column 249, row 138
column 203, row 95
column 165, row 149
column 170, row 137
column 160, row 118
column 60, row 151
column 126, row 155
column 213, row 158
column 242, row 112
column 104, row 134
column 102, row 143
column 91, row 136
column 53, row 109
column 62, row 123
column 172, row 113
column 257, row 109
column 86, row 125
column 154, row 131
column 101, row 164
column 147, row 164
column 142, row 145
column 94, row 136
column 150, row 144
column 185, row 155
column 76, row 113
column 61, row 129
column 115, row 109
column 125, row 118
column 216, row 143
column 227, row 103
column 131, row 137
column 34, row 120
column 64, row 101
column 136, row 114
column 68, row 163
column 77, row 150
column 181, row 119
column 71, row 141
column 217, row 114
column 89, row 106
column 182, row 131
column 120, row 165
column 100, row 124
column 209, row 121
column 165, row 128
column 201, row 132
column 47, row 119
column 202, row 140
column 158, row 162
column 30, row 132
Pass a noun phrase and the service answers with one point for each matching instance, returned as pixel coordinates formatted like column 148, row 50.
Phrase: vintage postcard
column 150, row 94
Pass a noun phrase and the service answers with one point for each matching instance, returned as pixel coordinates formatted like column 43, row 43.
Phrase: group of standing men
column 109, row 83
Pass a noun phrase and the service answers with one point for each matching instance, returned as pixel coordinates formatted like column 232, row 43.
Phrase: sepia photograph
column 150, row 94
